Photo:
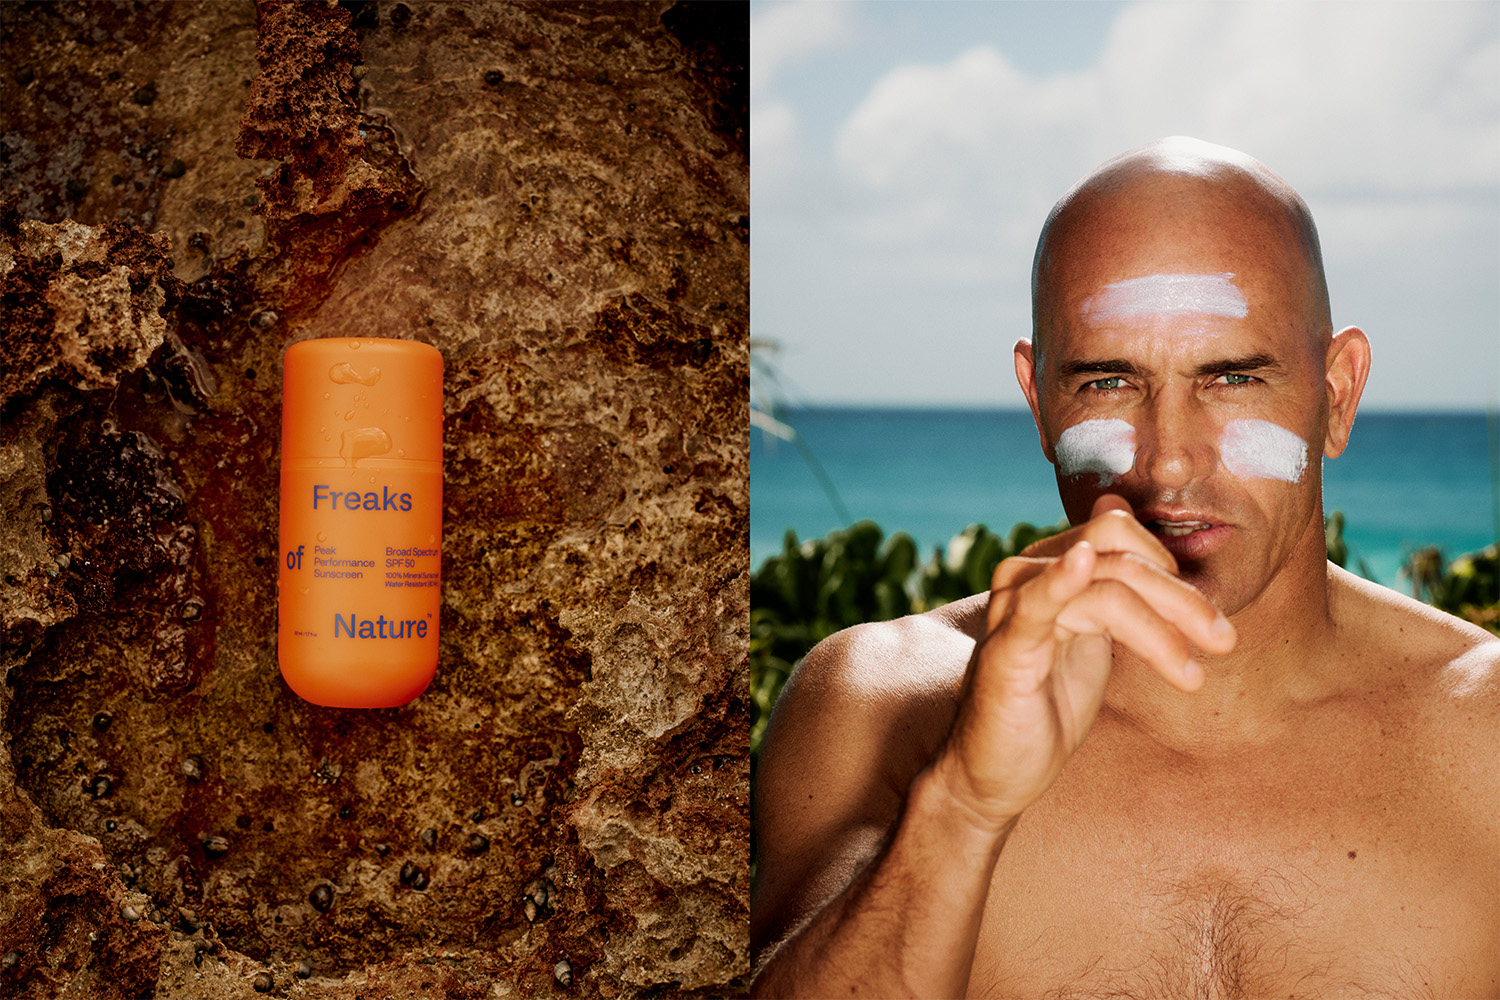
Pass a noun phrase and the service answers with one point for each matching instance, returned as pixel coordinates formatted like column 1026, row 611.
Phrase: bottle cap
column 364, row 400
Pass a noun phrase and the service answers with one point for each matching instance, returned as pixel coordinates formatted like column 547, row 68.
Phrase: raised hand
column 1037, row 677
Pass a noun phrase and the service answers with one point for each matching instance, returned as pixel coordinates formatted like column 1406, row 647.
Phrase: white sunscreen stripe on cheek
column 1103, row 446
column 1167, row 295
column 1260, row 449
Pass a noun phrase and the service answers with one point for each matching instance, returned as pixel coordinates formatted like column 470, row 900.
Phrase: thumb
column 1108, row 502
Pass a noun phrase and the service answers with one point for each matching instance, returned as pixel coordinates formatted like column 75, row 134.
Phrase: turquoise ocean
column 1406, row 481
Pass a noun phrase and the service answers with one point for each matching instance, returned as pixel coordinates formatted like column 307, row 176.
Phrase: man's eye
column 1113, row 382
column 1233, row 378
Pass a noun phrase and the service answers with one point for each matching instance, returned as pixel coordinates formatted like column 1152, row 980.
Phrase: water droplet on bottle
column 322, row 536
column 327, row 395
column 364, row 442
column 353, row 345
column 400, row 452
column 349, row 416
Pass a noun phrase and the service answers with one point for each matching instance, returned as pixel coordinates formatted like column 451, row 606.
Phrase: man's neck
column 1284, row 657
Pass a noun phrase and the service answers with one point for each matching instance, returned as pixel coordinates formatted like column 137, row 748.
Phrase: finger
column 1114, row 529
column 1031, row 614
column 1109, row 502
column 1016, row 570
column 1174, row 599
column 1113, row 608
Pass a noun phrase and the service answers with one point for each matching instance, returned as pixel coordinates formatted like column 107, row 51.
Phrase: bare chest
column 1342, row 874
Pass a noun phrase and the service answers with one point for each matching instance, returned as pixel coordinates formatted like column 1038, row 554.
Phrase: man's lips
column 1186, row 534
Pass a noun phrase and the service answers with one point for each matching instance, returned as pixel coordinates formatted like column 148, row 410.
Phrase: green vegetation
column 1468, row 587
column 813, row 589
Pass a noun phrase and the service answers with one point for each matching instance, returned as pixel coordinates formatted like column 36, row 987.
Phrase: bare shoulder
column 882, row 661
column 1456, row 657
column 1446, row 670
column 860, row 716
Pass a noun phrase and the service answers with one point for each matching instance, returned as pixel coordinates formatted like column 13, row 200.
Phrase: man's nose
column 1175, row 442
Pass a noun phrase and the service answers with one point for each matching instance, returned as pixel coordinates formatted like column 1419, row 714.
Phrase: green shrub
column 1468, row 587
column 812, row 589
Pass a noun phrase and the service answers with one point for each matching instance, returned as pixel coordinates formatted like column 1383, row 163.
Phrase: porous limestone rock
column 555, row 195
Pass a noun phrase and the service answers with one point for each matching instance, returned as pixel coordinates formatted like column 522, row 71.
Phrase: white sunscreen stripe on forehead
column 1167, row 295
column 1260, row 449
column 1103, row 446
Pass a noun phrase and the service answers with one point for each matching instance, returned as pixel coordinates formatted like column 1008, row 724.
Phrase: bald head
column 1179, row 206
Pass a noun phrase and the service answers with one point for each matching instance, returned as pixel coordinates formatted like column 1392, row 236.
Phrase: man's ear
column 1025, row 356
column 1348, row 366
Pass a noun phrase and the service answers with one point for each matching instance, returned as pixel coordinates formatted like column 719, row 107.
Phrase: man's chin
column 1212, row 585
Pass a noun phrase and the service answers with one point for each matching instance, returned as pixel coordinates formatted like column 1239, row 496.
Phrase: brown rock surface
column 554, row 195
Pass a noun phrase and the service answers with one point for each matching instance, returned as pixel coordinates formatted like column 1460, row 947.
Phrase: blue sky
column 904, row 155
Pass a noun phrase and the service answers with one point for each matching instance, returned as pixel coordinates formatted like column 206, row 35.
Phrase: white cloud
column 919, row 219
column 793, row 32
column 773, row 142
column 785, row 35
column 1386, row 95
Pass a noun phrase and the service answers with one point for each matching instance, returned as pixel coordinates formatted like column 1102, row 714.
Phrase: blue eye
column 1113, row 382
column 1234, row 378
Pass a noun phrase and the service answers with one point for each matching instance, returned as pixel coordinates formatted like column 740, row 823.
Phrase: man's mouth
column 1187, row 534
column 1177, row 529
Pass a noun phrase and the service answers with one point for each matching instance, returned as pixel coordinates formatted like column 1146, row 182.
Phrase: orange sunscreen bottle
column 361, row 520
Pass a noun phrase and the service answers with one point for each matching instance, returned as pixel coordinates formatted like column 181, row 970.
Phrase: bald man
column 1174, row 752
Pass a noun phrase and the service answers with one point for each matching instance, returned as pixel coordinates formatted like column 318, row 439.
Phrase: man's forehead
column 1178, row 206
column 1180, row 343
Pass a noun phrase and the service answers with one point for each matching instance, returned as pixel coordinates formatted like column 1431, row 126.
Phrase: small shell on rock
column 563, row 973
column 321, row 899
column 263, row 982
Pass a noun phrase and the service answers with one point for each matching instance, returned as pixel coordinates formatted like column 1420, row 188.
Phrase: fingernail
column 1221, row 628
column 1192, row 672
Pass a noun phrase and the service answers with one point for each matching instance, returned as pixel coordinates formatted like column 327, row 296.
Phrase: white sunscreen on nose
column 1167, row 295
column 1103, row 446
column 1259, row 449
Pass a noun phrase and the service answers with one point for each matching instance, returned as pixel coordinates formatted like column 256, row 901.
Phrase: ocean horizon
column 1407, row 480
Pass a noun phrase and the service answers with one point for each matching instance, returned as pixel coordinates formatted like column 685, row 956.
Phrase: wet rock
column 570, row 234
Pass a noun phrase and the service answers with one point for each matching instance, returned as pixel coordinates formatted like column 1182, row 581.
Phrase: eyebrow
column 1068, row 370
column 1111, row 366
column 1249, row 363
